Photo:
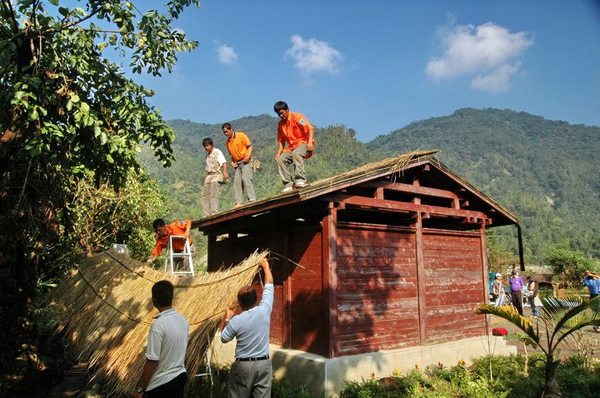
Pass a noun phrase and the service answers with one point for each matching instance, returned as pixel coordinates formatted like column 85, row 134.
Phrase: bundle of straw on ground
column 105, row 310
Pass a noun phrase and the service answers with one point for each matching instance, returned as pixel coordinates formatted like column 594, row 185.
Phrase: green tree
column 561, row 319
column 67, row 113
column 101, row 215
column 568, row 265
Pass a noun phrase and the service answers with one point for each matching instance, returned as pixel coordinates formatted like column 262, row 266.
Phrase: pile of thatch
column 105, row 310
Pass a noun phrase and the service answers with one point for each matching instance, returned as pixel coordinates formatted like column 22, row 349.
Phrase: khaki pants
column 210, row 198
column 296, row 157
column 243, row 185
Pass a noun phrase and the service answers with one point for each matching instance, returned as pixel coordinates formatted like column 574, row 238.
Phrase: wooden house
column 387, row 256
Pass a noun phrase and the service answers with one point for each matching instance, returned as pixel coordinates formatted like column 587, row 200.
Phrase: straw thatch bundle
column 105, row 310
column 395, row 165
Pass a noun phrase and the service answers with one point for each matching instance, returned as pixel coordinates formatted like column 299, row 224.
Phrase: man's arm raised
column 264, row 264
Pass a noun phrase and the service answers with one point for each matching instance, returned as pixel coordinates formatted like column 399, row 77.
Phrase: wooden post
column 329, row 271
column 286, row 290
column 485, row 271
column 421, row 280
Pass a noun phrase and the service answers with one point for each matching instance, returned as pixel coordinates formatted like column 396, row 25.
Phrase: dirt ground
column 587, row 338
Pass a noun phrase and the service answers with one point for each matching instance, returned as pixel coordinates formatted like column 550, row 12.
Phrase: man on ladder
column 174, row 237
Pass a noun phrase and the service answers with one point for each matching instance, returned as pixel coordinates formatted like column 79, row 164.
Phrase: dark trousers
column 517, row 300
column 172, row 389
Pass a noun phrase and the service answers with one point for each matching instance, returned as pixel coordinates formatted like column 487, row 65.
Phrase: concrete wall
column 325, row 376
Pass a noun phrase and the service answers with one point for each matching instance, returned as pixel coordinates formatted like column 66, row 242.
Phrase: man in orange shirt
column 295, row 130
column 240, row 149
column 163, row 231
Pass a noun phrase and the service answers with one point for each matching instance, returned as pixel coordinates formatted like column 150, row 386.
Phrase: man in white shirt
column 164, row 373
column 216, row 172
column 252, row 372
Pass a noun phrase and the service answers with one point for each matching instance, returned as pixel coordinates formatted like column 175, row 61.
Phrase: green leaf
column 33, row 115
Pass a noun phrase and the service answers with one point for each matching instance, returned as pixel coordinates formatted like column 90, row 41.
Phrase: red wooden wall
column 308, row 328
column 377, row 290
column 377, row 302
column 453, row 285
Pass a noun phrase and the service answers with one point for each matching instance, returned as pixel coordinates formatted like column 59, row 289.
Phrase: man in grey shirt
column 252, row 372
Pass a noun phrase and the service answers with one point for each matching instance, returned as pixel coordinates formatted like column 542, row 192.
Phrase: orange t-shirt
column 175, row 228
column 294, row 131
column 238, row 146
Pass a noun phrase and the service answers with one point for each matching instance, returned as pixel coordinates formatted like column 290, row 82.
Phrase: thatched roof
column 105, row 311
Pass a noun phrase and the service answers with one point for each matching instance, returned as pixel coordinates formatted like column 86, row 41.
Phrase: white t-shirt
column 167, row 343
column 214, row 164
column 252, row 328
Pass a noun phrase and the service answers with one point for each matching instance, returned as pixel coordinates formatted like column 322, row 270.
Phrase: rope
column 107, row 303
column 128, row 316
column 181, row 286
column 148, row 279
column 292, row 261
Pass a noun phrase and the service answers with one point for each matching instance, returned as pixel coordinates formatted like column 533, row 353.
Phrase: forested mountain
column 546, row 172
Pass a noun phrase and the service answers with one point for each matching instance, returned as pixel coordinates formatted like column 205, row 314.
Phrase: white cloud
column 314, row 56
column 498, row 80
column 227, row 54
column 487, row 52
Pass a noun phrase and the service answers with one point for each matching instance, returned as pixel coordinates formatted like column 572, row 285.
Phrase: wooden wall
column 377, row 303
column 453, row 285
column 377, row 300
column 297, row 318
column 378, row 289
column 308, row 326
column 233, row 251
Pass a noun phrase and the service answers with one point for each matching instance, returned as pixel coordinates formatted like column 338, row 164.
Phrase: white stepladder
column 208, row 371
column 186, row 255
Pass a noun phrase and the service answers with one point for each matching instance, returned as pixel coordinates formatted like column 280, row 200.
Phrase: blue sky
column 378, row 65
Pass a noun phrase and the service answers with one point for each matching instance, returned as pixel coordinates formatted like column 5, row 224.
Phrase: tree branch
column 8, row 6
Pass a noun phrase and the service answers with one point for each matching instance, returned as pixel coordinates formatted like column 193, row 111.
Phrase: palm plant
column 559, row 320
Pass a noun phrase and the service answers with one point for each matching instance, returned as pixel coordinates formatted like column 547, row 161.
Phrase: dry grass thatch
column 105, row 310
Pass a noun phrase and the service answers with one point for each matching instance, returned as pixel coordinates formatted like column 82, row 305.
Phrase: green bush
column 576, row 377
column 201, row 387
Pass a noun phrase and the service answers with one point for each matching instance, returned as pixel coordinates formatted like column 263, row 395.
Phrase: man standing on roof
column 216, row 168
column 299, row 135
column 163, row 232
column 252, row 371
column 164, row 373
column 240, row 149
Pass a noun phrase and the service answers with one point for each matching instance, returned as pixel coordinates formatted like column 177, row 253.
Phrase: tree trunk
column 551, row 387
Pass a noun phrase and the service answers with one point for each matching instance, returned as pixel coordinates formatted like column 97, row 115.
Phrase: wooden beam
column 416, row 183
column 390, row 205
column 411, row 189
